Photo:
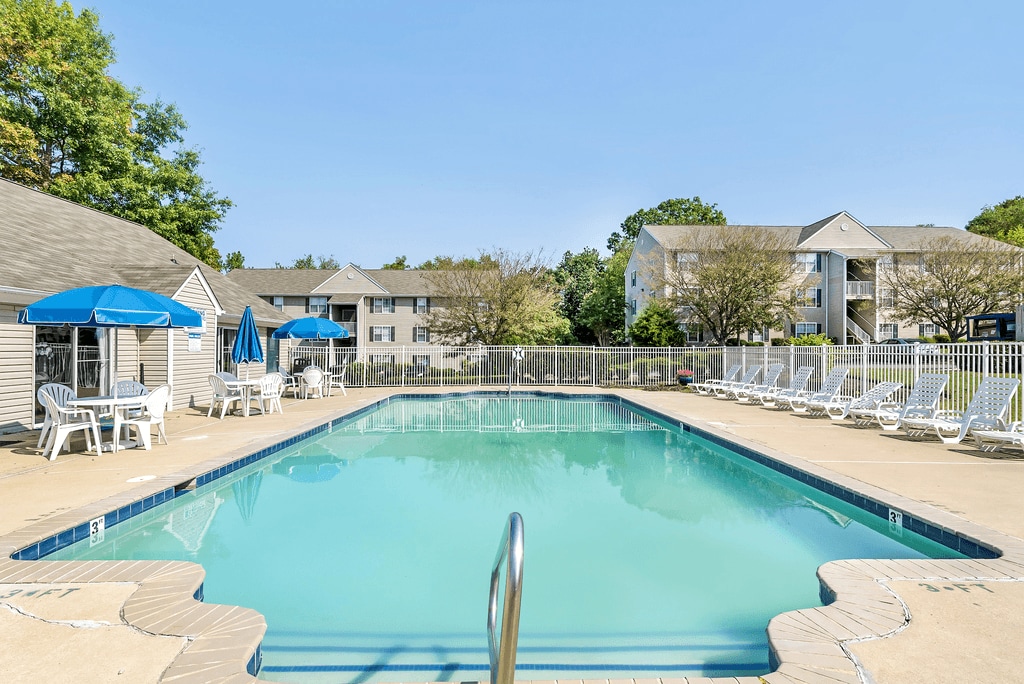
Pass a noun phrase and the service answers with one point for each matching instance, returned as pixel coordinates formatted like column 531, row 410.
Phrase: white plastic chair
column 830, row 387
column 152, row 414
column 291, row 382
column 707, row 387
column 68, row 420
column 768, row 383
column 337, row 379
column 923, row 402
column 312, row 381
column 269, row 397
column 222, row 395
column 61, row 394
column 986, row 411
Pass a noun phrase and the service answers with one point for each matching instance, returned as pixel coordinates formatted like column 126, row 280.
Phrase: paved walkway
column 136, row 622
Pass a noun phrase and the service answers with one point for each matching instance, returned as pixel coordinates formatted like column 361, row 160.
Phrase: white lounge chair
column 770, row 380
column 990, row 440
column 748, row 378
column 830, row 387
column 923, row 402
column 708, row 386
column 152, row 414
column 223, row 395
column 839, row 407
column 64, row 421
column 796, row 388
column 986, row 411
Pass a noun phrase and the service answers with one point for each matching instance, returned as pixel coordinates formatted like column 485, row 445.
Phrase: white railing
column 860, row 288
column 966, row 364
column 858, row 332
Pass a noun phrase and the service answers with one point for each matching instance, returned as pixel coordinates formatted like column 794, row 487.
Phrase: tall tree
column 673, row 212
column 951, row 279
column 657, row 326
column 231, row 261
column 729, row 281
column 447, row 263
column 603, row 311
column 1003, row 222
column 397, row 265
column 69, row 128
column 513, row 301
column 576, row 276
column 310, row 262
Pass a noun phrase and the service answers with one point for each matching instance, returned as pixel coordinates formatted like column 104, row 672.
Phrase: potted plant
column 684, row 376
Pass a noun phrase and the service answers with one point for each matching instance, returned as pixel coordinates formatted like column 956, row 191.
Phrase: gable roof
column 51, row 245
column 303, row 282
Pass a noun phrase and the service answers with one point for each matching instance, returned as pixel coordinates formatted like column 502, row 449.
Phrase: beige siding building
column 838, row 261
column 51, row 245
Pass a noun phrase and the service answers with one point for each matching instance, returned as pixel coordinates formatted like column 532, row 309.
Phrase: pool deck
column 137, row 621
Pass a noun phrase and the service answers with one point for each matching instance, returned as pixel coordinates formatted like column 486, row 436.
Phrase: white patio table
column 115, row 404
column 246, row 386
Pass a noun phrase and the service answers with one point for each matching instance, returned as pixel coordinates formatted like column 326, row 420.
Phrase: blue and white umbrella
column 310, row 328
column 247, row 348
column 110, row 306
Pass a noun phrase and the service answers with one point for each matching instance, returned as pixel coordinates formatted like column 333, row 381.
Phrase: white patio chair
column 770, row 381
column 64, row 421
column 839, row 407
column 223, row 395
column 227, row 377
column 336, row 378
column 707, row 386
column 292, row 383
column 312, row 382
column 830, row 387
column 60, row 394
column 796, row 388
column 129, row 388
column 152, row 414
column 269, row 397
column 986, row 411
column 990, row 440
column 923, row 402
column 721, row 390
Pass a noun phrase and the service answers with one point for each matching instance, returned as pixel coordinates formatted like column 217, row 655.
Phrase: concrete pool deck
column 136, row 621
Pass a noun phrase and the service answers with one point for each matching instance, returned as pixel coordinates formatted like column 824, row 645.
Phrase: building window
column 807, row 329
column 382, row 358
column 421, row 305
column 382, row 333
column 632, row 307
column 685, row 260
column 421, row 360
column 383, row 305
column 808, row 263
column 632, row 279
column 927, row 330
column 888, row 331
column 886, row 262
column 420, row 334
column 316, row 305
column 692, row 332
column 809, row 298
column 886, row 298
column 278, row 303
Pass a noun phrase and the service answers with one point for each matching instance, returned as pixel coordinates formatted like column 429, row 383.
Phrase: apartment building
column 838, row 261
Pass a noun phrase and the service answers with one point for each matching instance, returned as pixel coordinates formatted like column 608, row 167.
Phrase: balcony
column 860, row 289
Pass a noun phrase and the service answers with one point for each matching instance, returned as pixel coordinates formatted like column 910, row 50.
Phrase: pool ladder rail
column 503, row 652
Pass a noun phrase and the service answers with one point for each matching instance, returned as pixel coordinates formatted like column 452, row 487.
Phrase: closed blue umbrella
column 110, row 306
column 311, row 328
column 247, row 348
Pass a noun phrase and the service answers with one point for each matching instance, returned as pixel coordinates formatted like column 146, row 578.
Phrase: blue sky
column 366, row 130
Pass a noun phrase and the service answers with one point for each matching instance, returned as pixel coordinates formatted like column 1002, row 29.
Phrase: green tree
column 310, row 262
column 603, row 311
column 70, row 129
column 576, row 276
column 1003, row 222
column 657, row 326
column 513, row 301
column 729, row 281
column 231, row 261
column 952, row 279
column 672, row 212
column 445, row 263
column 397, row 265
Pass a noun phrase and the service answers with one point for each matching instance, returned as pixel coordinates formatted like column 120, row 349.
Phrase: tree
column 952, row 279
column 657, row 326
column 447, row 263
column 576, row 275
column 730, row 281
column 397, row 265
column 502, row 298
column 231, row 261
column 311, row 262
column 1003, row 222
column 603, row 311
column 70, row 129
column 673, row 212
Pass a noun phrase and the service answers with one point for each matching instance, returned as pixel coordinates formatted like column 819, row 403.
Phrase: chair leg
column 95, row 429
column 213, row 402
column 57, row 440
column 223, row 407
column 162, row 435
column 44, row 431
column 146, row 435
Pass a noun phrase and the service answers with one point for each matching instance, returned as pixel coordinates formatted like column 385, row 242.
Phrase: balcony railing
column 860, row 288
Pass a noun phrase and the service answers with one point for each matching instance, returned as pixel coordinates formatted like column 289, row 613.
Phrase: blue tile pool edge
column 945, row 537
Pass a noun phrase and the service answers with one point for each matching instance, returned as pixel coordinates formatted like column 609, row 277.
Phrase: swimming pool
column 649, row 552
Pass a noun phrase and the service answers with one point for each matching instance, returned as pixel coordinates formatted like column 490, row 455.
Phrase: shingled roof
column 50, row 245
column 302, row 282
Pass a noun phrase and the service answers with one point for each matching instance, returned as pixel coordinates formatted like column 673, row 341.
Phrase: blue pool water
column 649, row 551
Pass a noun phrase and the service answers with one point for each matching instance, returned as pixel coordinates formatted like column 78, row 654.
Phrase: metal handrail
column 503, row 654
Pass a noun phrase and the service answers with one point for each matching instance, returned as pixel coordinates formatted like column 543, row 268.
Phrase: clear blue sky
column 370, row 129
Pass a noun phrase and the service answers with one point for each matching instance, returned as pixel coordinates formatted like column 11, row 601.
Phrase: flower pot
column 685, row 379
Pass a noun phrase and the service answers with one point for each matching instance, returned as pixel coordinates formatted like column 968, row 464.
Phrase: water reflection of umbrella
column 247, row 348
column 314, row 467
column 311, row 328
column 110, row 306
column 246, row 489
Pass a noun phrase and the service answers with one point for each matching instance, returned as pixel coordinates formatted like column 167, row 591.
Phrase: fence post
column 986, row 356
column 864, row 368
column 743, row 358
column 593, row 366
column 792, row 360
column 402, row 370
